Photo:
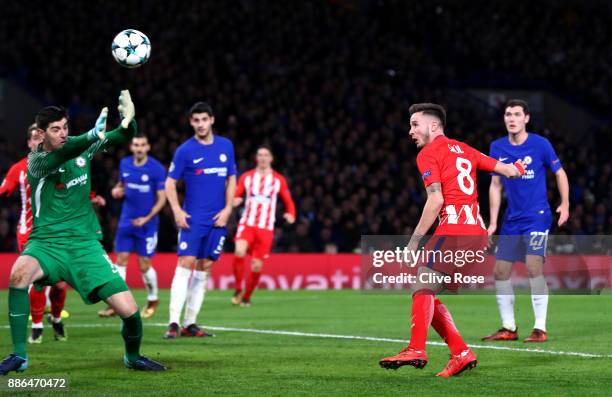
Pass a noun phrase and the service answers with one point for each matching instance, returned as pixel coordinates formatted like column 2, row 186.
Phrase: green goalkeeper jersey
column 60, row 183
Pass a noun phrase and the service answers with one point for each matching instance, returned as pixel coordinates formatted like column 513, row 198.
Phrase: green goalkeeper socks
column 132, row 335
column 19, row 309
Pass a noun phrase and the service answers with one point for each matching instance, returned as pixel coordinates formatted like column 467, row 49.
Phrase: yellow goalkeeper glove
column 126, row 108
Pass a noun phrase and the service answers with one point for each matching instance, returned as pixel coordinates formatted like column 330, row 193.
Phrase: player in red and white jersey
column 262, row 186
column 448, row 168
column 17, row 177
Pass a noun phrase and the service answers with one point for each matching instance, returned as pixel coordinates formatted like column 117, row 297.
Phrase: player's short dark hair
column 33, row 127
column 433, row 109
column 141, row 135
column 518, row 102
column 264, row 146
column 48, row 115
column 201, row 107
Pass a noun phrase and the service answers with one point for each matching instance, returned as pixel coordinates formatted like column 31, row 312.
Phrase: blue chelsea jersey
column 204, row 168
column 527, row 197
column 141, row 184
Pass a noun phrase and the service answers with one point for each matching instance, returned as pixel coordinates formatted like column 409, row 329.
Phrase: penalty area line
column 349, row 337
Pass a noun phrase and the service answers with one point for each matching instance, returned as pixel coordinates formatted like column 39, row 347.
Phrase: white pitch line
column 376, row 339
column 350, row 337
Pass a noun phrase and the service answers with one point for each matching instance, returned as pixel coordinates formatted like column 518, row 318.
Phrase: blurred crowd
column 327, row 85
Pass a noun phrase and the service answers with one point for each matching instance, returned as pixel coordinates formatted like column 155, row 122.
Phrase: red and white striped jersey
column 262, row 191
column 453, row 164
column 17, row 177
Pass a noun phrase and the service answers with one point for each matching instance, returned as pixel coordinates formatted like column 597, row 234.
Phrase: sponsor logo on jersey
column 79, row 180
column 426, row 174
column 80, row 161
column 529, row 174
column 220, row 171
column 144, row 177
column 261, row 198
column 140, row 188
column 223, row 157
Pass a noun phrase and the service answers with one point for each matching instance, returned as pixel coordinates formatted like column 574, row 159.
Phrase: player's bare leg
column 149, row 277
column 195, row 297
column 256, row 266
column 240, row 252
column 124, row 305
column 121, row 266
column 25, row 271
column 539, row 297
column 502, row 272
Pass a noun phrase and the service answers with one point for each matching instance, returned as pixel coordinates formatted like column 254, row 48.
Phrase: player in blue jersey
column 141, row 185
column 207, row 167
column 528, row 218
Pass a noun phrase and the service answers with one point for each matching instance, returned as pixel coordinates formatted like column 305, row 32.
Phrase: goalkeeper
column 65, row 240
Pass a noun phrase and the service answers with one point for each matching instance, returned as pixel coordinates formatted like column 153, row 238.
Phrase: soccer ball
column 131, row 48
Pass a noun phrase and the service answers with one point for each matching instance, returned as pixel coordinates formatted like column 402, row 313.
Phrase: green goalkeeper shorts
column 84, row 265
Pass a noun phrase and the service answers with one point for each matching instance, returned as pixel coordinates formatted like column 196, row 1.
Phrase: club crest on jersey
column 80, row 162
column 223, row 157
column 144, row 177
column 528, row 160
column 455, row 149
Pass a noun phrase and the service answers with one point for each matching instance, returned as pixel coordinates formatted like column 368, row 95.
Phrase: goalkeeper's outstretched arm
column 41, row 163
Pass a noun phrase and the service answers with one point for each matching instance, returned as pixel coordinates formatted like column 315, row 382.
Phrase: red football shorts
column 259, row 240
column 460, row 257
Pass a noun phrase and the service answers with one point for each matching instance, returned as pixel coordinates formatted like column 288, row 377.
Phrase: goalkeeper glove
column 99, row 131
column 126, row 108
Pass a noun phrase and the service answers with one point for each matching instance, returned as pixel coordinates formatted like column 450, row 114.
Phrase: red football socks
column 251, row 285
column 37, row 304
column 422, row 314
column 238, row 266
column 57, row 296
column 445, row 326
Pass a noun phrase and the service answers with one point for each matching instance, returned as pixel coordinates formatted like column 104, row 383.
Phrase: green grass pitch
column 236, row 362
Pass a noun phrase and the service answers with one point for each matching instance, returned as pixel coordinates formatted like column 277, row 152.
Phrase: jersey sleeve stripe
column 41, row 184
